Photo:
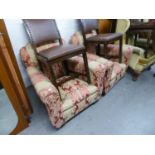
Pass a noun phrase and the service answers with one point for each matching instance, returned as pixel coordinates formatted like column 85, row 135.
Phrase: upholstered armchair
column 76, row 94
column 115, row 71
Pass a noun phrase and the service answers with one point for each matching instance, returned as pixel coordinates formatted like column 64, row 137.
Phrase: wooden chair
column 44, row 31
column 90, row 25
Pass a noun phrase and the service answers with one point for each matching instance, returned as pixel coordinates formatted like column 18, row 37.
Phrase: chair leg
column 135, row 40
column 149, row 68
column 135, row 76
column 98, row 49
column 120, row 50
column 66, row 67
column 86, row 66
column 105, row 51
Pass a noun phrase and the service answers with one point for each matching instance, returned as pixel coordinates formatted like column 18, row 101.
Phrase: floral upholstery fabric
column 97, row 71
column 28, row 57
column 113, row 49
column 48, row 94
column 73, row 96
column 114, row 70
column 76, row 95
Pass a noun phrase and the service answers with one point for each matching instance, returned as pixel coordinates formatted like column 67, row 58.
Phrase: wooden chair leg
column 120, row 50
column 53, row 78
column 149, row 68
column 86, row 66
column 135, row 40
column 135, row 76
column 66, row 67
column 98, row 49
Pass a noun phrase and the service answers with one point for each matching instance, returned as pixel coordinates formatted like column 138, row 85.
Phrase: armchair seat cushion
column 75, row 91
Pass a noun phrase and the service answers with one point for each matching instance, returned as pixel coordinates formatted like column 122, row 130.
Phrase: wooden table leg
column 86, row 66
column 120, row 49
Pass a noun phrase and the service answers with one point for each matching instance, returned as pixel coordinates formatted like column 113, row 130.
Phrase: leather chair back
column 88, row 25
column 42, row 31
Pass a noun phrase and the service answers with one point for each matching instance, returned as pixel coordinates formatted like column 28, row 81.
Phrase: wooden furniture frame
column 23, row 96
column 47, row 61
column 103, row 39
column 9, row 79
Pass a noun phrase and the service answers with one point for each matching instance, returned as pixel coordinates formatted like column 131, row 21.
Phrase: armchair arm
column 97, row 71
column 48, row 94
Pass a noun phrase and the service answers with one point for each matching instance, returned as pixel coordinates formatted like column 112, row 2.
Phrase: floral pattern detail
column 50, row 45
column 28, row 57
column 48, row 94
column 97, row 71
column 73, row 96
column 113, row 72
column 114, row 51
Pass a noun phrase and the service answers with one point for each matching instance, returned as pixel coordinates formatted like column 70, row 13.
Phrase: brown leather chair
column 89, row 25
column 44, row 31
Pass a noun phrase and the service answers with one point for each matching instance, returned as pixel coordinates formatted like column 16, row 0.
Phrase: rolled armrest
column 48, row 94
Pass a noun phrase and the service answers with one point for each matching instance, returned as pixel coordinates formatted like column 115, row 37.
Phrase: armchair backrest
column 122, row 25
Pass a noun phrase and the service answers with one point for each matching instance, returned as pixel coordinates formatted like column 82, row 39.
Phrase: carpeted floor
column 129, row 108
column 8, row 117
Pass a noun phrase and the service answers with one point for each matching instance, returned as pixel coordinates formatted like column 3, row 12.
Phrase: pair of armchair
column 76, row 94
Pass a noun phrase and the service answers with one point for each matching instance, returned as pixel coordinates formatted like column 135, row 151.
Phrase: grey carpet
column 8, row 117
column 129, row 108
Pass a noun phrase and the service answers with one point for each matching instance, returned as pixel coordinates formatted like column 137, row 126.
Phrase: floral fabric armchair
column 75, row 95
column 114, row 71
